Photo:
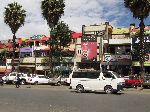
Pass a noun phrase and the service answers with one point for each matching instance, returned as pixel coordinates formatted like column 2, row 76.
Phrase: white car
column 38, row 79
column 24, row 77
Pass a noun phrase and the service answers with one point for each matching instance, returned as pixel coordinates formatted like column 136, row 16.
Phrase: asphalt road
column 61, row 99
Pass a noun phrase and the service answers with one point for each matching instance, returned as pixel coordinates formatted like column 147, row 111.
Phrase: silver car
column 57, row 80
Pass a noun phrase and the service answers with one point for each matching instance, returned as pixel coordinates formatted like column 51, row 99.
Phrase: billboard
column 136, row 40
column 89, row 48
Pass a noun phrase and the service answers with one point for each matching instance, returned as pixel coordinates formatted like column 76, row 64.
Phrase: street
column 46, row 98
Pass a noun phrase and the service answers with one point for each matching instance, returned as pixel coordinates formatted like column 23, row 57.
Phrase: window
column 79, row 75
column 93, row 75
column 13, row 74
column 107, row 75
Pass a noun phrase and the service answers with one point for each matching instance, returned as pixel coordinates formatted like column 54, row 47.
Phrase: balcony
column 119, row 41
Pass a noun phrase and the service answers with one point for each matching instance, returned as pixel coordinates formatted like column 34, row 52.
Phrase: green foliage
column 139, row 8
column 3, row 54
column 62, row 34
column 14, row 16
column 52, row 10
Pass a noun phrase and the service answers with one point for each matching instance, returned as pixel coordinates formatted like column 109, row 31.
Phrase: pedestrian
column 17, row 81
column 1, row 81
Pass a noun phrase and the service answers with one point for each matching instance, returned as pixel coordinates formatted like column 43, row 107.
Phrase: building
column 104, row 46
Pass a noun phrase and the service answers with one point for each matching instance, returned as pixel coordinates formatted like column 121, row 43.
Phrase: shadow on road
column 93, row 92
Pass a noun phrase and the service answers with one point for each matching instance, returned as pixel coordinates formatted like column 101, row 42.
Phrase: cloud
column 77, row 13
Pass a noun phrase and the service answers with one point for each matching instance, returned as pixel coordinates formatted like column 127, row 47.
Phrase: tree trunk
column 13, row 57
column 50, row 54
column 142, row 51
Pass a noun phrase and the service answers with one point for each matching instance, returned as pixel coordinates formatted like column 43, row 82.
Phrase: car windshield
column 116, row 74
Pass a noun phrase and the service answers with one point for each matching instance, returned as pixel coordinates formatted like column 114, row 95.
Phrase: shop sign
column 27, row 60
column 147, row 63
column 108, row 58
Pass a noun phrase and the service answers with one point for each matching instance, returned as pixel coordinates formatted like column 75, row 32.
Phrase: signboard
column 136, row 63
column 136, row 40
column 26, row 49
column 89, row 48
column 111, row 58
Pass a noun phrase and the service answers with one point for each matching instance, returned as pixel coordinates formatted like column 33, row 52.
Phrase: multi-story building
column 32, row 55
column 118, row 57
column 104, row 46
column 135, row 48
column 91, row 47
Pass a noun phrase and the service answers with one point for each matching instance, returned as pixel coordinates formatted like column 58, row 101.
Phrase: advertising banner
column 89, row 48
column 136, row 40
column 26, row 49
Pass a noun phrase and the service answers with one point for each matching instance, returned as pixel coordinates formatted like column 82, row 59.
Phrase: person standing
column 1, row 81
column 17, row 81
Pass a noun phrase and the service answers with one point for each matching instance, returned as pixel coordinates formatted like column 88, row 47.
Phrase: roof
column 120, row 31
column 76, row 35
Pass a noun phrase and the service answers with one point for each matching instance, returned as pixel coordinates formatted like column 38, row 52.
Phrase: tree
column 3, row 56
column 52, row 10
column 140, row 10
column 62, row 35
column 14, row 17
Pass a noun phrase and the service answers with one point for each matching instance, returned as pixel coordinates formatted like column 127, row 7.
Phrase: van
column 108, row 81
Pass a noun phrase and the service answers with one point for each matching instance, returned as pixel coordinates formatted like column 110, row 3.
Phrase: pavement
column 46, row 98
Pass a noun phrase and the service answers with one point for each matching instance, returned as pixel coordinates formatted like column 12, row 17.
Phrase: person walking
column 17, row 81
column 1, row 81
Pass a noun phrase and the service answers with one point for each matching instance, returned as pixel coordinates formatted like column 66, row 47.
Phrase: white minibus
column 108, row 81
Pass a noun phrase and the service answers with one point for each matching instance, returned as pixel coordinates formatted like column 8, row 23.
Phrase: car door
column 93, row 80
column 40, row 79
column 45, row 79
column 12, row 76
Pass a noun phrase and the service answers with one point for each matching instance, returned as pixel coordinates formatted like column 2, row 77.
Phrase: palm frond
column 139, row 8
column 14, row 16
column 52, row 10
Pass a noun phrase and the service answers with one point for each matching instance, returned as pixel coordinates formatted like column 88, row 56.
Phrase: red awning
column 76, row 35
column 19, row 40
column 8, row 71
column 44, row 38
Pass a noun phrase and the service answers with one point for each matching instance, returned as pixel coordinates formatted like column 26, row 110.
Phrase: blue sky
column 77, row 13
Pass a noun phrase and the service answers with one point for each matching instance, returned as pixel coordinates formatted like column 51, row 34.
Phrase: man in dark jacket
column 1, row 81
column 17, row 81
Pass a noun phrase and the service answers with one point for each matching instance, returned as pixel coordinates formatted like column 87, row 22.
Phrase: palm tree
column 14, row 17
column 140, row 10
column 52, row 10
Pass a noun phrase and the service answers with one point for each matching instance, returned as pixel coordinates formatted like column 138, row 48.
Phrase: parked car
column 57, row 80
column 146, row 83
column 24, row 77
column 38, row 79
column 3, row 78
column 133, row 81
column 10, row 77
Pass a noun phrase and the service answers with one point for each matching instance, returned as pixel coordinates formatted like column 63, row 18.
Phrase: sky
column 76, row 14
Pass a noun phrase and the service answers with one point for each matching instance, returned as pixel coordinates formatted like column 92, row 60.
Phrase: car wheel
column 23, row 82
column 108, row 89
column 80, row 89
column 13, row 82
column 4, row 82
column 36, row 83
column 58, row 84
